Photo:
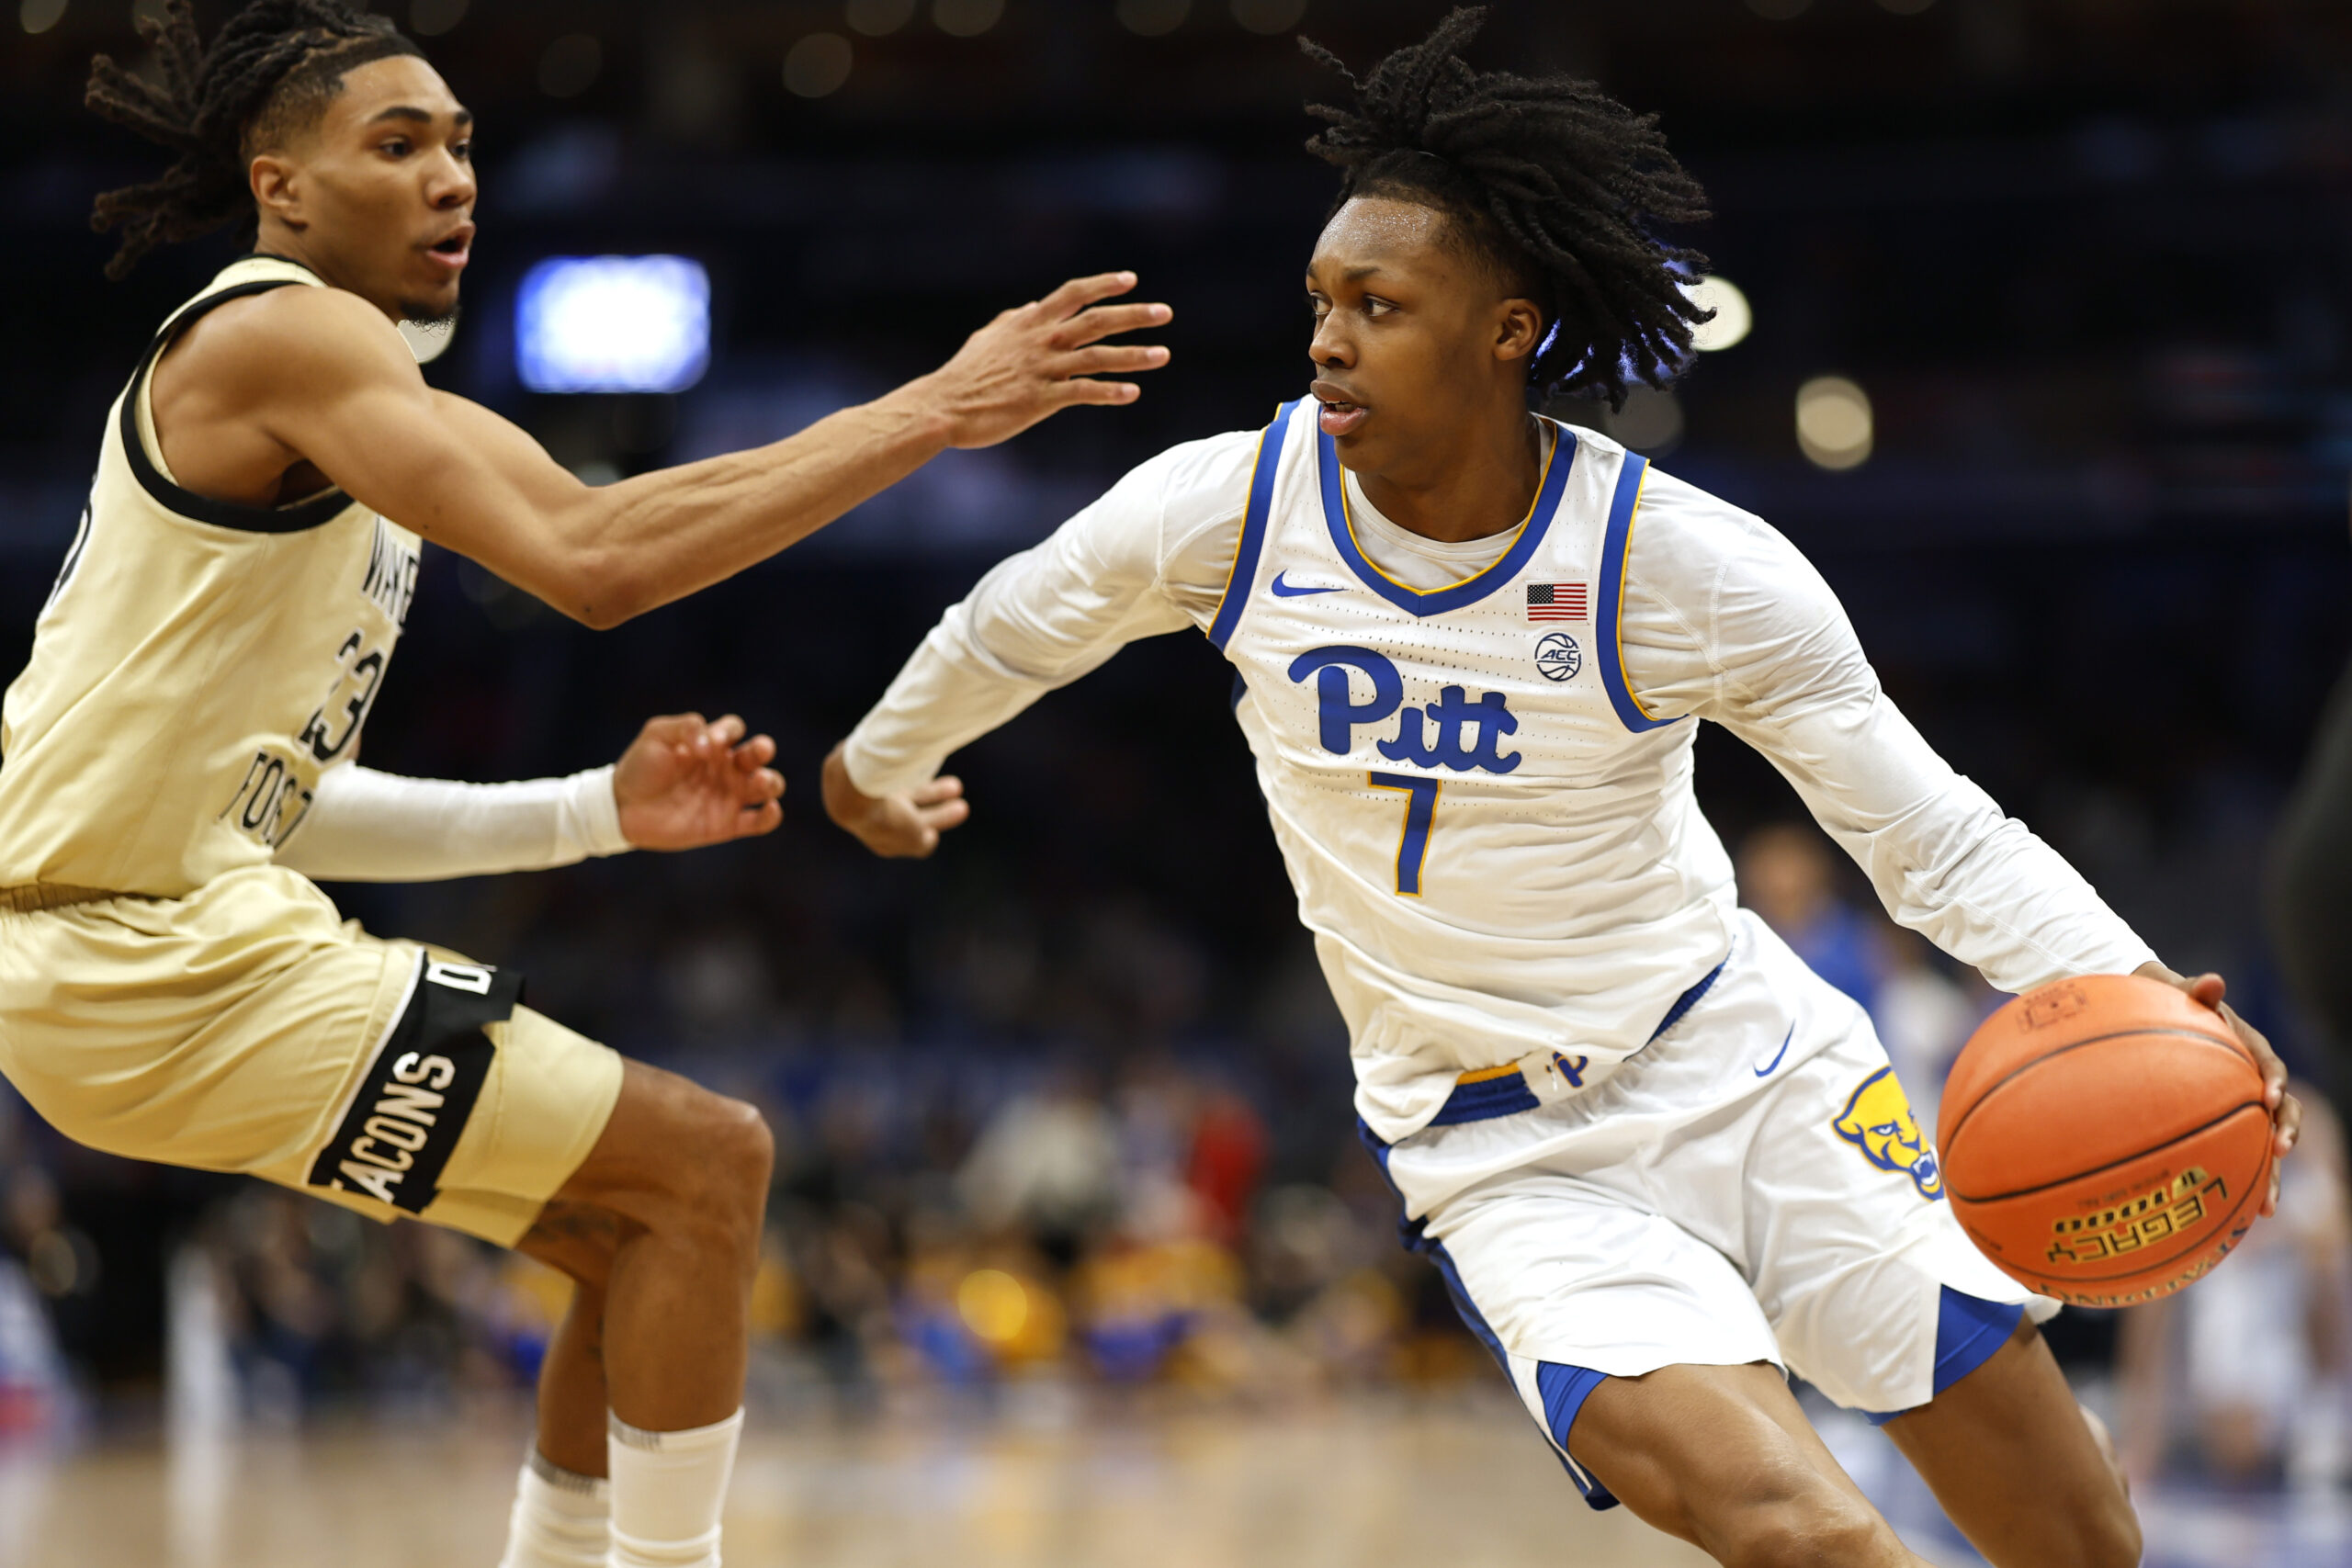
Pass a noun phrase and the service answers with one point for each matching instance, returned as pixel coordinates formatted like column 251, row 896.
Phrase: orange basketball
column 2104, row 1140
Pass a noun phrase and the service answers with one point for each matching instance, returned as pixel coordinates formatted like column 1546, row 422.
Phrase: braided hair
column 1554, row 181
column 269, row 72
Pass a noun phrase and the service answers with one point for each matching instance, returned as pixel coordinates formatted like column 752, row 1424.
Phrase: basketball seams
column 1986, row 1093
column 2073, row 1177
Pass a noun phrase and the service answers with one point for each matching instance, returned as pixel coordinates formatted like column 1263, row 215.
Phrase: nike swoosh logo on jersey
column 1765, row 1070
column 1287, row 591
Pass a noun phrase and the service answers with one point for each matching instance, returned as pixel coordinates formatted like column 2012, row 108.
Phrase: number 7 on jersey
column 1420, row 812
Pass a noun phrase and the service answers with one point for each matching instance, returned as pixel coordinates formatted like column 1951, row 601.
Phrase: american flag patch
column 1555, row 601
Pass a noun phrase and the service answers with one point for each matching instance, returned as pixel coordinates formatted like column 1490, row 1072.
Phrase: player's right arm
column 1150, row 556
column 321, row 377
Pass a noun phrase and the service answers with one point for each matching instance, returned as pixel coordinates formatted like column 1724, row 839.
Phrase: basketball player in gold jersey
column 180, row 749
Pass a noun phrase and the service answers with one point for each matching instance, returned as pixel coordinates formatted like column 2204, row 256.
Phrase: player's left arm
column 683, row 783
column 1729, row 622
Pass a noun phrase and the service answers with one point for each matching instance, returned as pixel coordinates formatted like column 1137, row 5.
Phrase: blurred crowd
column 1032, row 1225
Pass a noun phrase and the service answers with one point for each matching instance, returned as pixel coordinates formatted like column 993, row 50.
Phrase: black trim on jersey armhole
column 293, row 519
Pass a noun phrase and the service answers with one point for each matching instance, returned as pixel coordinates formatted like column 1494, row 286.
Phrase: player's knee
column 1821, row 1526
column 727, row 1156
column 2111, row 1538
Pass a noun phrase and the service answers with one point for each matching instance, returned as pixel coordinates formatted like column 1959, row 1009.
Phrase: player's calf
column 664, row 1220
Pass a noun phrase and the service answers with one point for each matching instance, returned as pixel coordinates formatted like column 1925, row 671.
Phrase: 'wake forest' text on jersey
column 197, row 663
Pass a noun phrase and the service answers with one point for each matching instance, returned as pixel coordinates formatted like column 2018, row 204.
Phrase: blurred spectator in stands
column 37, row 1260
column 2246, row 1375
column 1227, row 1158
column 1048, row 1163
column 1787, row 875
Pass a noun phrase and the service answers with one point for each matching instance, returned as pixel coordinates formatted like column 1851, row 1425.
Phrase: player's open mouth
column 1336, row 417
column 453, row 249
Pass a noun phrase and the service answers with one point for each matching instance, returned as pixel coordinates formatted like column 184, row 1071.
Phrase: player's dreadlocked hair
column 272, row 67
column 1557, row 183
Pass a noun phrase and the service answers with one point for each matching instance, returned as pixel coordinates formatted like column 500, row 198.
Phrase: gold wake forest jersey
column 197, row 665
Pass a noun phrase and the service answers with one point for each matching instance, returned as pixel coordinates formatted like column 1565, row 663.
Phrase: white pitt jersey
column 1499, row 850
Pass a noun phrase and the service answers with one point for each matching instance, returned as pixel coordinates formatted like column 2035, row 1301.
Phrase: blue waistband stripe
column 1486, row 1098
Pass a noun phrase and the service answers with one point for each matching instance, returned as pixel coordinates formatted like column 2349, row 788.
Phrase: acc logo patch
column 1878, row 1121
column 1558, row 657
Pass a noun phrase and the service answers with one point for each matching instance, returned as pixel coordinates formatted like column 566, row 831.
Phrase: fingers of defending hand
column 1109, row 320
column 1113, row 359
column 947, row 787
column 755, row 754
column 673, row 728
column 1080, row 292
column 1081, row 391
column 766, row 818
column 761, row 784
column 939, row 818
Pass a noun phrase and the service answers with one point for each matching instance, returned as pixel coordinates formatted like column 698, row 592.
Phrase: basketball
column 2104, row 1140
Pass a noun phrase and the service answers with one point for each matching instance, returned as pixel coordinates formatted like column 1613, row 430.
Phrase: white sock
column 561, row 1519
column 668, row 1489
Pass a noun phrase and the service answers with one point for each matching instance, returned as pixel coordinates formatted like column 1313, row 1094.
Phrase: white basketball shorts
column 1749, row 1187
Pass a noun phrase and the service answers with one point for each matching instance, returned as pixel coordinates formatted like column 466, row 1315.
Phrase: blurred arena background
column 1074, row 1256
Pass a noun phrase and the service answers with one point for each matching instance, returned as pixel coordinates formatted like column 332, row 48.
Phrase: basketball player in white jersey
column 179, row 754
column 1658, row 1161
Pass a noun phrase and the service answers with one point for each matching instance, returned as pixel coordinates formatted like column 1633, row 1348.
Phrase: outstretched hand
column 2286, row 1111
column 1041, row 357
column 686, row 781
column 902, row 826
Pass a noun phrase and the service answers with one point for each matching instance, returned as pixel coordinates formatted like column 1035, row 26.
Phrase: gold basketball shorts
column 247, row 1027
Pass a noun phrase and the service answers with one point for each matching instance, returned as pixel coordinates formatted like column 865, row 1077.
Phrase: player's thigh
column 211, row 1031
column 2017, row 1465
column 1572, row 1286
column 1723, row 1458
column 247, row 1028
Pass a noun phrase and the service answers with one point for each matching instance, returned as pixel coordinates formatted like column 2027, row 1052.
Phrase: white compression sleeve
column 370, row 827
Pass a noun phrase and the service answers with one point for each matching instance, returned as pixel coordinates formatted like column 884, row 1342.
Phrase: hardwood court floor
column 1380, row 1482
column 1362, row 1483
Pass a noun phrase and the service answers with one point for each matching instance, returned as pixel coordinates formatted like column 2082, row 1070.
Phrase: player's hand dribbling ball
column 2105, row 1140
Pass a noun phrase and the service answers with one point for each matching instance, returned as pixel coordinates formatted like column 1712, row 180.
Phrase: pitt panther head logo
column 1878, row 1121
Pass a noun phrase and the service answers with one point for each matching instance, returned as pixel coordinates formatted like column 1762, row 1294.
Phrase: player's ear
column 1519, row 329
column 278, row 187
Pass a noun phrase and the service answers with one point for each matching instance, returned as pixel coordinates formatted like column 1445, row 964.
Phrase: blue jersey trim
column 1614, row 544
column 1968, row 1330
column 1252, row 544
column 1472, row 588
